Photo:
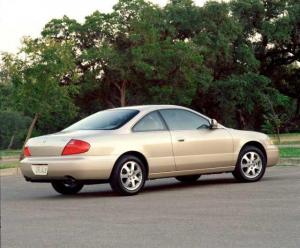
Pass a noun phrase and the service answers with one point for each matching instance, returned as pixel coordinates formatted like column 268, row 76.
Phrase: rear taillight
column 75, row 147
column 26, row 151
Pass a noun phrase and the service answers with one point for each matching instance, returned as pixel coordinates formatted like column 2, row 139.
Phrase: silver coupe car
column 127, row 146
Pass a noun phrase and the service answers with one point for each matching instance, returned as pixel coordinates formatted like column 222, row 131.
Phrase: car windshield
column 104, row 120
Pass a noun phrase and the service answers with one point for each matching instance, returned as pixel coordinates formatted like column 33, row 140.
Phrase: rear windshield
column 104, row 120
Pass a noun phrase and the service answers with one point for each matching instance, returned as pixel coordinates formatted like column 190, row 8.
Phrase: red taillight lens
column 26, row 152
column 75, row 147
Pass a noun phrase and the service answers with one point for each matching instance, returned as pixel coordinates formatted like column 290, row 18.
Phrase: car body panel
column 77, row 167
column 241, row 138
column 203, row 151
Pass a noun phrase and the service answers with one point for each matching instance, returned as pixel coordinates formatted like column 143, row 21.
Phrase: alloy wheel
column 131, row 175
column 251, row 164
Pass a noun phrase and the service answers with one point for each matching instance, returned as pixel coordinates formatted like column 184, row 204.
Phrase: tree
column 12, row 129
column 38, row 81
column 223, row 59
column 273, row 27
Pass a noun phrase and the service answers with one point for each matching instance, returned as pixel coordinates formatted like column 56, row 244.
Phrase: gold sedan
column 127, row 146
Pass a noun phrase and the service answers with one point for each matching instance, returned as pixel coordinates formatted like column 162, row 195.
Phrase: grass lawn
column 6, row 153
column 288, row 152
column 8, row 165
column 9, row 154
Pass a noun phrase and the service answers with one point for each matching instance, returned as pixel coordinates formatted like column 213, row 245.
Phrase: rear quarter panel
column 155, row 146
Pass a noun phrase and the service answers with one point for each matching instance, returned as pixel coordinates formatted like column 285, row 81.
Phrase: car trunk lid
column 53, row 144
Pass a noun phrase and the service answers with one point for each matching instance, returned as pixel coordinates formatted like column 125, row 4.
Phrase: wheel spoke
column 252, row 156
column 257, row 160
column 138, row 171
column 127, row 182
column 137, row 179
column 132, row 166
column 132, row 182
column 126, row 168
column 247, row 159
column 245, row 165
column 248, row 170
column 124, row 176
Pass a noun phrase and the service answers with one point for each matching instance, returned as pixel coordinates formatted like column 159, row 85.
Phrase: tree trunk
column 11, row 142
column 278, row 134
column 123, row 94
column 241, row 119
column 29, row 132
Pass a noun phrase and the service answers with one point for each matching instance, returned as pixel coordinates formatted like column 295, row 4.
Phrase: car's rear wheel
column 67, row 187
column 251, row 165
column 188, row 179
column 128, row 176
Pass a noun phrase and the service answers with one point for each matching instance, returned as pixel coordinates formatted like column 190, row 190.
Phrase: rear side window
column 180, row 119
column 150, row 122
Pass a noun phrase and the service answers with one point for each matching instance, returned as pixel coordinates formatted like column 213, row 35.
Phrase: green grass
column 8, row 153
column 288, row 152
column 8, row 165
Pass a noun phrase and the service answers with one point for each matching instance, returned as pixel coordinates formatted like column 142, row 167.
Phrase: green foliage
column 237, row 61
column 13, row 125
column 5, row 96
column 40, row 83
column 242, row 93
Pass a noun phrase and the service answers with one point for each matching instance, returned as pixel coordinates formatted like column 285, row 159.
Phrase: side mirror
column 213, row 124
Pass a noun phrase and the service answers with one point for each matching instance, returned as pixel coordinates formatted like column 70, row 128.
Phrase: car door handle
column 180, row 140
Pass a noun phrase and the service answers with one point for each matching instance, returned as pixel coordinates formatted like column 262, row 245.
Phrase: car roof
column 151, row 107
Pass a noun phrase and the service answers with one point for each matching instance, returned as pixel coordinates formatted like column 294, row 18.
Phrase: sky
column 19, row 18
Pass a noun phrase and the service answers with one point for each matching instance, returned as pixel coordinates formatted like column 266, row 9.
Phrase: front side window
column 104, row 120
column 180, row 119
column 151, row 122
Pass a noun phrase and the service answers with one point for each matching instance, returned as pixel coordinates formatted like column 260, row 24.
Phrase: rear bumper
column 77, row 167
column 272, row 155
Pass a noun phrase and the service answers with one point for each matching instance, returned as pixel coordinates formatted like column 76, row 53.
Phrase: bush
column 13, row 127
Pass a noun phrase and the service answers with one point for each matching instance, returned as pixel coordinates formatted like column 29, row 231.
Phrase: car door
column 152, row 134
column 195, row 144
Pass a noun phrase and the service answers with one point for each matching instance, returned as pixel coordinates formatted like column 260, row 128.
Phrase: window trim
column 166, row 128
column 191, row 111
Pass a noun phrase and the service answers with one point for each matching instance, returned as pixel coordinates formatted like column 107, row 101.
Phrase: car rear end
column 76, row 152
column 64, row 156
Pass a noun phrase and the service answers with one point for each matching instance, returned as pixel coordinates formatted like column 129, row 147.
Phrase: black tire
column 240, row 173
column 117, row 183
column 188, row 179
column 67, row 188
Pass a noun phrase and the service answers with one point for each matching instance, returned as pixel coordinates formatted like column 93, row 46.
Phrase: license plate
column 40, row 170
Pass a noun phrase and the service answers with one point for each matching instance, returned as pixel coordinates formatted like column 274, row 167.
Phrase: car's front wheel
column 188, row 179
column 251, row 165
column 128, row 176
column 67, row 188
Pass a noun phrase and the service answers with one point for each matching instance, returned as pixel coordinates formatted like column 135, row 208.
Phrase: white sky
column 20, row 18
